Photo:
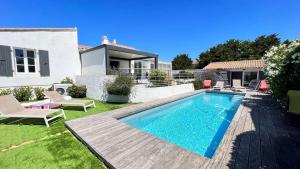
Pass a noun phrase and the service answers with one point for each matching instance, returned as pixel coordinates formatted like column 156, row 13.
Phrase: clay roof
column 84, row 47
column 242, row 64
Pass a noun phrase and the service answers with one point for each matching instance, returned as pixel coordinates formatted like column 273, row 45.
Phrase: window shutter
column 44, row 63
column 5, row 61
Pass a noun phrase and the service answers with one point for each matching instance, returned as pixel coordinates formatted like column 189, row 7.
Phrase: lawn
column 42, row 147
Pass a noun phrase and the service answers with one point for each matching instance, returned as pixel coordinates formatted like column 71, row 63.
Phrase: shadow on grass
column 67, row 150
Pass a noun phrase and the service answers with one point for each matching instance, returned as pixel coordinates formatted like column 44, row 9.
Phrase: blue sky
column 164, row 27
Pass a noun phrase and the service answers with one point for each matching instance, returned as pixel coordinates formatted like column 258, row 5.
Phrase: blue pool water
column 196, row 123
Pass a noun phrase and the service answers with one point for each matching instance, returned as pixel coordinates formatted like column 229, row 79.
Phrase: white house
column 99, row 63
column 38, row 56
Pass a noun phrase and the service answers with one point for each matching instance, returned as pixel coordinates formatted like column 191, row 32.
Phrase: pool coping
column 117, row 114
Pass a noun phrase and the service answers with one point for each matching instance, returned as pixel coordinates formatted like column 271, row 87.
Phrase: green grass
column 61, row 151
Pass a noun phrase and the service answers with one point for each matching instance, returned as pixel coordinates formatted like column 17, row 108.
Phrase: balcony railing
column 143, row 76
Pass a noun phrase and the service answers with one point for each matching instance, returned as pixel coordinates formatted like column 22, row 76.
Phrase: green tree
column 234, row 49
column 182, row 62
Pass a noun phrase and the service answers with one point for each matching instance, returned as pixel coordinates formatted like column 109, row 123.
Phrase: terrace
column 258, row 137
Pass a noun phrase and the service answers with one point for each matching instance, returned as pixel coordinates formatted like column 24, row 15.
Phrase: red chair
column 263, row 86
column 207, row 84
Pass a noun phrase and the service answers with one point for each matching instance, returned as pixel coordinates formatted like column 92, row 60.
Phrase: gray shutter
column 44, row 63
column 5, row 61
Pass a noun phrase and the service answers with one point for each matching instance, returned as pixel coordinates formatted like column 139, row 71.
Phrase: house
column 38, row 56
column 110, row 58
column 100, row 63
column 245, row 70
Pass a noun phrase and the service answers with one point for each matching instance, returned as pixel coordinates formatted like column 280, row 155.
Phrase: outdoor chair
column 263, row 86
column 253, row 84
column 56, row 98
column 207, row 84
column 219, row 85
column 10, row 107
column 237, row 84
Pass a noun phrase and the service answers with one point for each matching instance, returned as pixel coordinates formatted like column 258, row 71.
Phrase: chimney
column 114, row 42
column 104, row 40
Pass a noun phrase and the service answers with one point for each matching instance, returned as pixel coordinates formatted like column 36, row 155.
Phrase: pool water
column 196, row 123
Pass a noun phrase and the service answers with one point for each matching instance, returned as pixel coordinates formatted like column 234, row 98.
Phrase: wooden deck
column 258, row 137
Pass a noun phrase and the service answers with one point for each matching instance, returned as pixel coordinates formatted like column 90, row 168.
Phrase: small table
column 44, row 106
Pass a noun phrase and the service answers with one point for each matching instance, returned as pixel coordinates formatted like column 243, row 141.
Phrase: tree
column 182, row 62
column 234, row 49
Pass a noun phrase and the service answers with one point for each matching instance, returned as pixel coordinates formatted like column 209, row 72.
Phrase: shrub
column 23, row 93
column 198, row 84
column 5, row 92
column 67, row 80
column 120, row 86
column 39, row 93
column 51, row 88
column 283, row 68
column 158, row 77
column 77, row 91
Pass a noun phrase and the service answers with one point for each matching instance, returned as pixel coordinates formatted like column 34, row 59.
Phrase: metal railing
column 143, row 76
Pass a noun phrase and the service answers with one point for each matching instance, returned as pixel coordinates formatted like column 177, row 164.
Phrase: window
column 20, row 60
column 25, row 60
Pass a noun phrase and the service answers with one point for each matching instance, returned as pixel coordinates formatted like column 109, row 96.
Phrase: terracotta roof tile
column 242, row 64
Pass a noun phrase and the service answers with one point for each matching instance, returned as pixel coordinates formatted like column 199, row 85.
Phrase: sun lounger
column 237, row 84
column 263, row 86
column 219, row 85
column 10, row 107
column 207, row 84
column 56, row 98
column 253, row 84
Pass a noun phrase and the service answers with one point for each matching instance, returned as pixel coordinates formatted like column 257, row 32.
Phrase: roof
column 37, row 29
column 195, row 62
column 122, row 46
column 84, row 47
column 242, row 64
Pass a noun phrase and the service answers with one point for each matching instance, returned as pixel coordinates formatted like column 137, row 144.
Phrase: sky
column 164, row 27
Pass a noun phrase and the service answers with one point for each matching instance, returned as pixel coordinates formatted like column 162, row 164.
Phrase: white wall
column 141, row 93
column 95, row 85
column 63, row 55
column 93, row 62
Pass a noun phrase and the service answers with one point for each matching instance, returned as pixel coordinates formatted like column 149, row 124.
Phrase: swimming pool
column 197, row 123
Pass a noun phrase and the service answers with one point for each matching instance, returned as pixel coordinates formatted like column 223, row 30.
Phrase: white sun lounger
column 10, row 107
column 219, row 85
column 56, row 98
column 237, row 84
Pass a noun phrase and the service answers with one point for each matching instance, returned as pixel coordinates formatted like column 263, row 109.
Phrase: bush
column 158, row 77
column 51, row 88
column 23, row 93
column 5, row 92
column 77, row 91
column 198, row 84
column 283, row 68
column 120, row 86
column 67, row 80
column 39, row 93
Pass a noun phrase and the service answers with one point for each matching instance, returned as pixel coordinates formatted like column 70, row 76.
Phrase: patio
column 258, row 137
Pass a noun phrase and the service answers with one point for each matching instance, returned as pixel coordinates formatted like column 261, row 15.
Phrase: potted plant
column 119, row 90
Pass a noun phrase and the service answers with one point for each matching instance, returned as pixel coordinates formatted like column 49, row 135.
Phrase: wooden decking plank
column 180, row 158
column 254, row 154
column 104, row 144
column 215, row 162
column 97, row 127
column 86, row 123
column 267, row 152
column 98, row 131
column 193, row 161
column 229, row 159
column 130, row 149
column 106, row 135
column 243, row 153
column 142, row 156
